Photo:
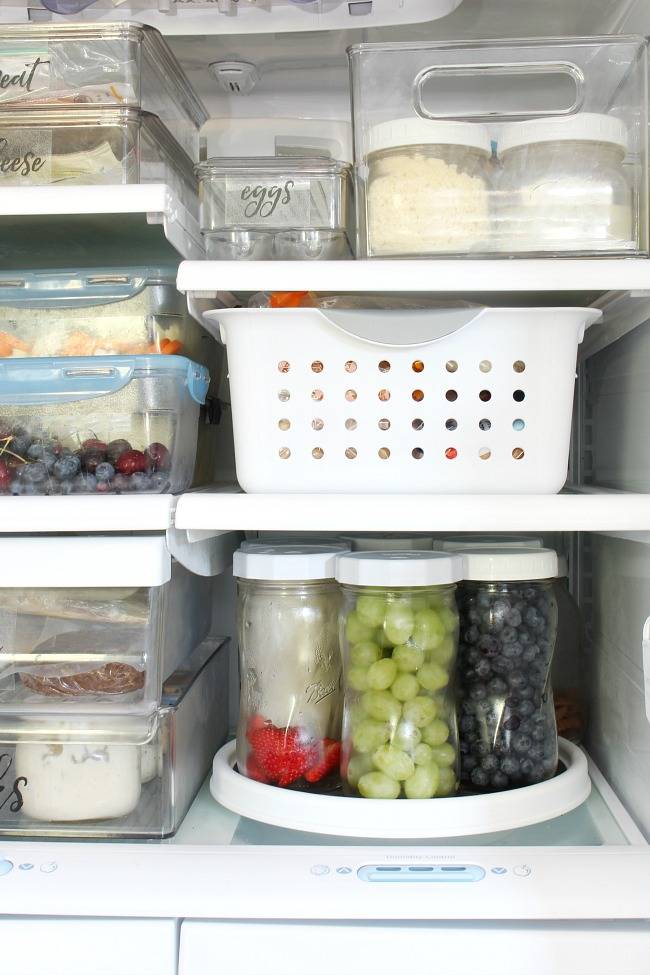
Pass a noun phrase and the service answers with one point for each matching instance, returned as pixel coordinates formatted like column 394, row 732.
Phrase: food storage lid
column 509, row 565
column 582, row 127
column 239, row 166
column 388, row 541
column 462, row 543
column 394, row 570
column 428, row 132
column 81, row 287
column 286, row 563
column 257, row 545
column 281, row 137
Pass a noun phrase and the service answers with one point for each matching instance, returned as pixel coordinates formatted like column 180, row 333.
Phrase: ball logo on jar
column 10, row 794
column 264, row 200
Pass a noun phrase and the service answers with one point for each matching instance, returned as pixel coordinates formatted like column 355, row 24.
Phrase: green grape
column 393, row 762
column 418, row 603
column 435, row 733
column 357, row 678
column 432, row 677
column 358, row 766
column 408, row 659
column 381, row 674
column 381, row 705
column 355, row 714
column 399, row 622
column 445, row 653
column 407, row 737
column 444, row 754
column 381, row 639
column 405, row 687
column 371, row 610
column 356, row 630
column 428, row 632
column 363, row 654
column 423, row 754
column 423, row 783
column 437, row 600
column 447, row 782
column 369, row 735
column 421, row 711
column 448, row 618
column 376, row 785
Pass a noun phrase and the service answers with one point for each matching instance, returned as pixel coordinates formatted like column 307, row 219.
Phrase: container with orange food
column 100, row 311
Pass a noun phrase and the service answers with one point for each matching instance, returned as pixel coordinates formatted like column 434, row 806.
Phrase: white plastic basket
column 473, row 401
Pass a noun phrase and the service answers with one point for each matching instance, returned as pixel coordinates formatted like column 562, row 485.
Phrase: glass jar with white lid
column 426, row 189
column 564, row 186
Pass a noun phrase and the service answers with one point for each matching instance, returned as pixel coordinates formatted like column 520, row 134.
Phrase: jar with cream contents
column 563, row 186
column 428, row 187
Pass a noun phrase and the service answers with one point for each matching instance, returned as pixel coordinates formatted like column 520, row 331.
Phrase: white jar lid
column 259, row 545
column 428, row 132
column 583, row 127
column 285, row 563
column 509, row 565
column 388, row 542
column 498, row 542
column 396, row 570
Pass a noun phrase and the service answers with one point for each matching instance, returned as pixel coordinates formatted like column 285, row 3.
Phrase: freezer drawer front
column 67, row 946
column 271, row 948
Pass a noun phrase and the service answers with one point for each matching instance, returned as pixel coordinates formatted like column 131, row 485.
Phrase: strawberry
column 280, row 753
column 330, row 754
column 255, row 723
column 253, row 771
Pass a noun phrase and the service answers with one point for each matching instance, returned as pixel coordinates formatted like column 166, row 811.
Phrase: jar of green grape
column 399, row 635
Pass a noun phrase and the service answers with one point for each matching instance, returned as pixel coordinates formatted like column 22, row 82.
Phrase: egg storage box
column 526, row 147
column 81, row 425
column 96, row 145
column 284, row 208
column 117, row 778
column 120, row 65
column 469, row 401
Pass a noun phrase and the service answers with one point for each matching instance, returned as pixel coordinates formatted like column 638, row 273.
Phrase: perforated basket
column 468, row 401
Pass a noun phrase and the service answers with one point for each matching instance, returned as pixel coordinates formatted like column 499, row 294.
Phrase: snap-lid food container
column 508, row 630
column 83, row 425
column 96, row 145
column 399, row 636
column 100, row 64
column 284, row 208
column 290, row 664
column 493, row 148
column 117, row 778
column 92, row 625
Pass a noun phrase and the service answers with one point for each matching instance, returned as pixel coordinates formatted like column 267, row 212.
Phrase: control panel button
column 320, row 870
column 6, row 866
column 49, row 867
column 344, row 870
column 499, row 871
column 25, row 866
column 457, row 873
column 522, row 870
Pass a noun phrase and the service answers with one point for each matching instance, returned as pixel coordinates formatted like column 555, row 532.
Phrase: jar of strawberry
column 290, row 665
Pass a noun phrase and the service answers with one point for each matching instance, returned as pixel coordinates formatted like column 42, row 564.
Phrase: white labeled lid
column 285, row 563
column 394, row 570
column 582, row 127
column 428, row 132
column 509, row 565
column 388, row 542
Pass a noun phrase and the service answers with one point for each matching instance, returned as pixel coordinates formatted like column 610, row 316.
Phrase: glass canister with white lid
column 564, row 185
column 399, row 634
column 424, row 188
column 508, row 631
column 290, row 665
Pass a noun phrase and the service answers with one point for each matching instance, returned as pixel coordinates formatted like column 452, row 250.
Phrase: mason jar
column 290, row 665
column 508, row 629
column 399, row 634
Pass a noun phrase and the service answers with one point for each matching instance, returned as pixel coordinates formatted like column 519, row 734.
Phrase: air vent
column 235, row 77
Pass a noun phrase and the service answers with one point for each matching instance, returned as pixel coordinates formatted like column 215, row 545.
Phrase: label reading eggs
column 278, row 203
column 23, row 72
column 26, row 156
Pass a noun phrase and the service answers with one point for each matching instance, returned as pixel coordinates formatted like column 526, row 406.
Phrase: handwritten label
column 281, row 203
column 26, row 156
column 11, row 796
column 23, row 74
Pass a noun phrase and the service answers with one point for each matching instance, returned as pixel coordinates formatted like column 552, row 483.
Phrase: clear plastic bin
column 525, row 147
column 275, row 208
column 82, row 425
column 112, row 779
column 115, row 64
column 92, row 146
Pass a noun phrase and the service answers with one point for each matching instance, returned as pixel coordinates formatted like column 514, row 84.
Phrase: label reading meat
column 25, row 157
column 281, row 203
column 23, row 73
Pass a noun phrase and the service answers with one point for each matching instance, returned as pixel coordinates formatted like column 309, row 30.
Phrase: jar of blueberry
column 399, row 634
column 508, row 629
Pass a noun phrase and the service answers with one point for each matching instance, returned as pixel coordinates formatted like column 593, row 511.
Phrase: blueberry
column 466, row 723
column 478, row 692
column 66, row 467
column 532, row 617
column 526, row 708
column 36, row 450
column 497, row 686
column 508, row 634
column 521, row 742
column 499, row 780
column 35, row 473
column 488, row 645
column 502, row 665
column 473, row 615
column 84, row 484
column 513, row 650
column 471, row 635
column 490, row 763
column 536, row 752
column 530, row 652
column 524, row 638
column 510, row 765
column 104, row 471
column 513, row 618
column 516, row 680
column 539, row 733
column 479, row 778
column 512, row 723
column 483, row 669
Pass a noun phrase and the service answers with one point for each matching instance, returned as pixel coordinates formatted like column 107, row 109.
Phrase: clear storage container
column 94, row 623
column 117, row 778
column 495, row 148
column 290, row 665
column 399, row 634
column 82, row 425
column 508, row 629
column 92, row 146
column 388, row 541
column 115, row 64
column 285, row 208
column 100, row 311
